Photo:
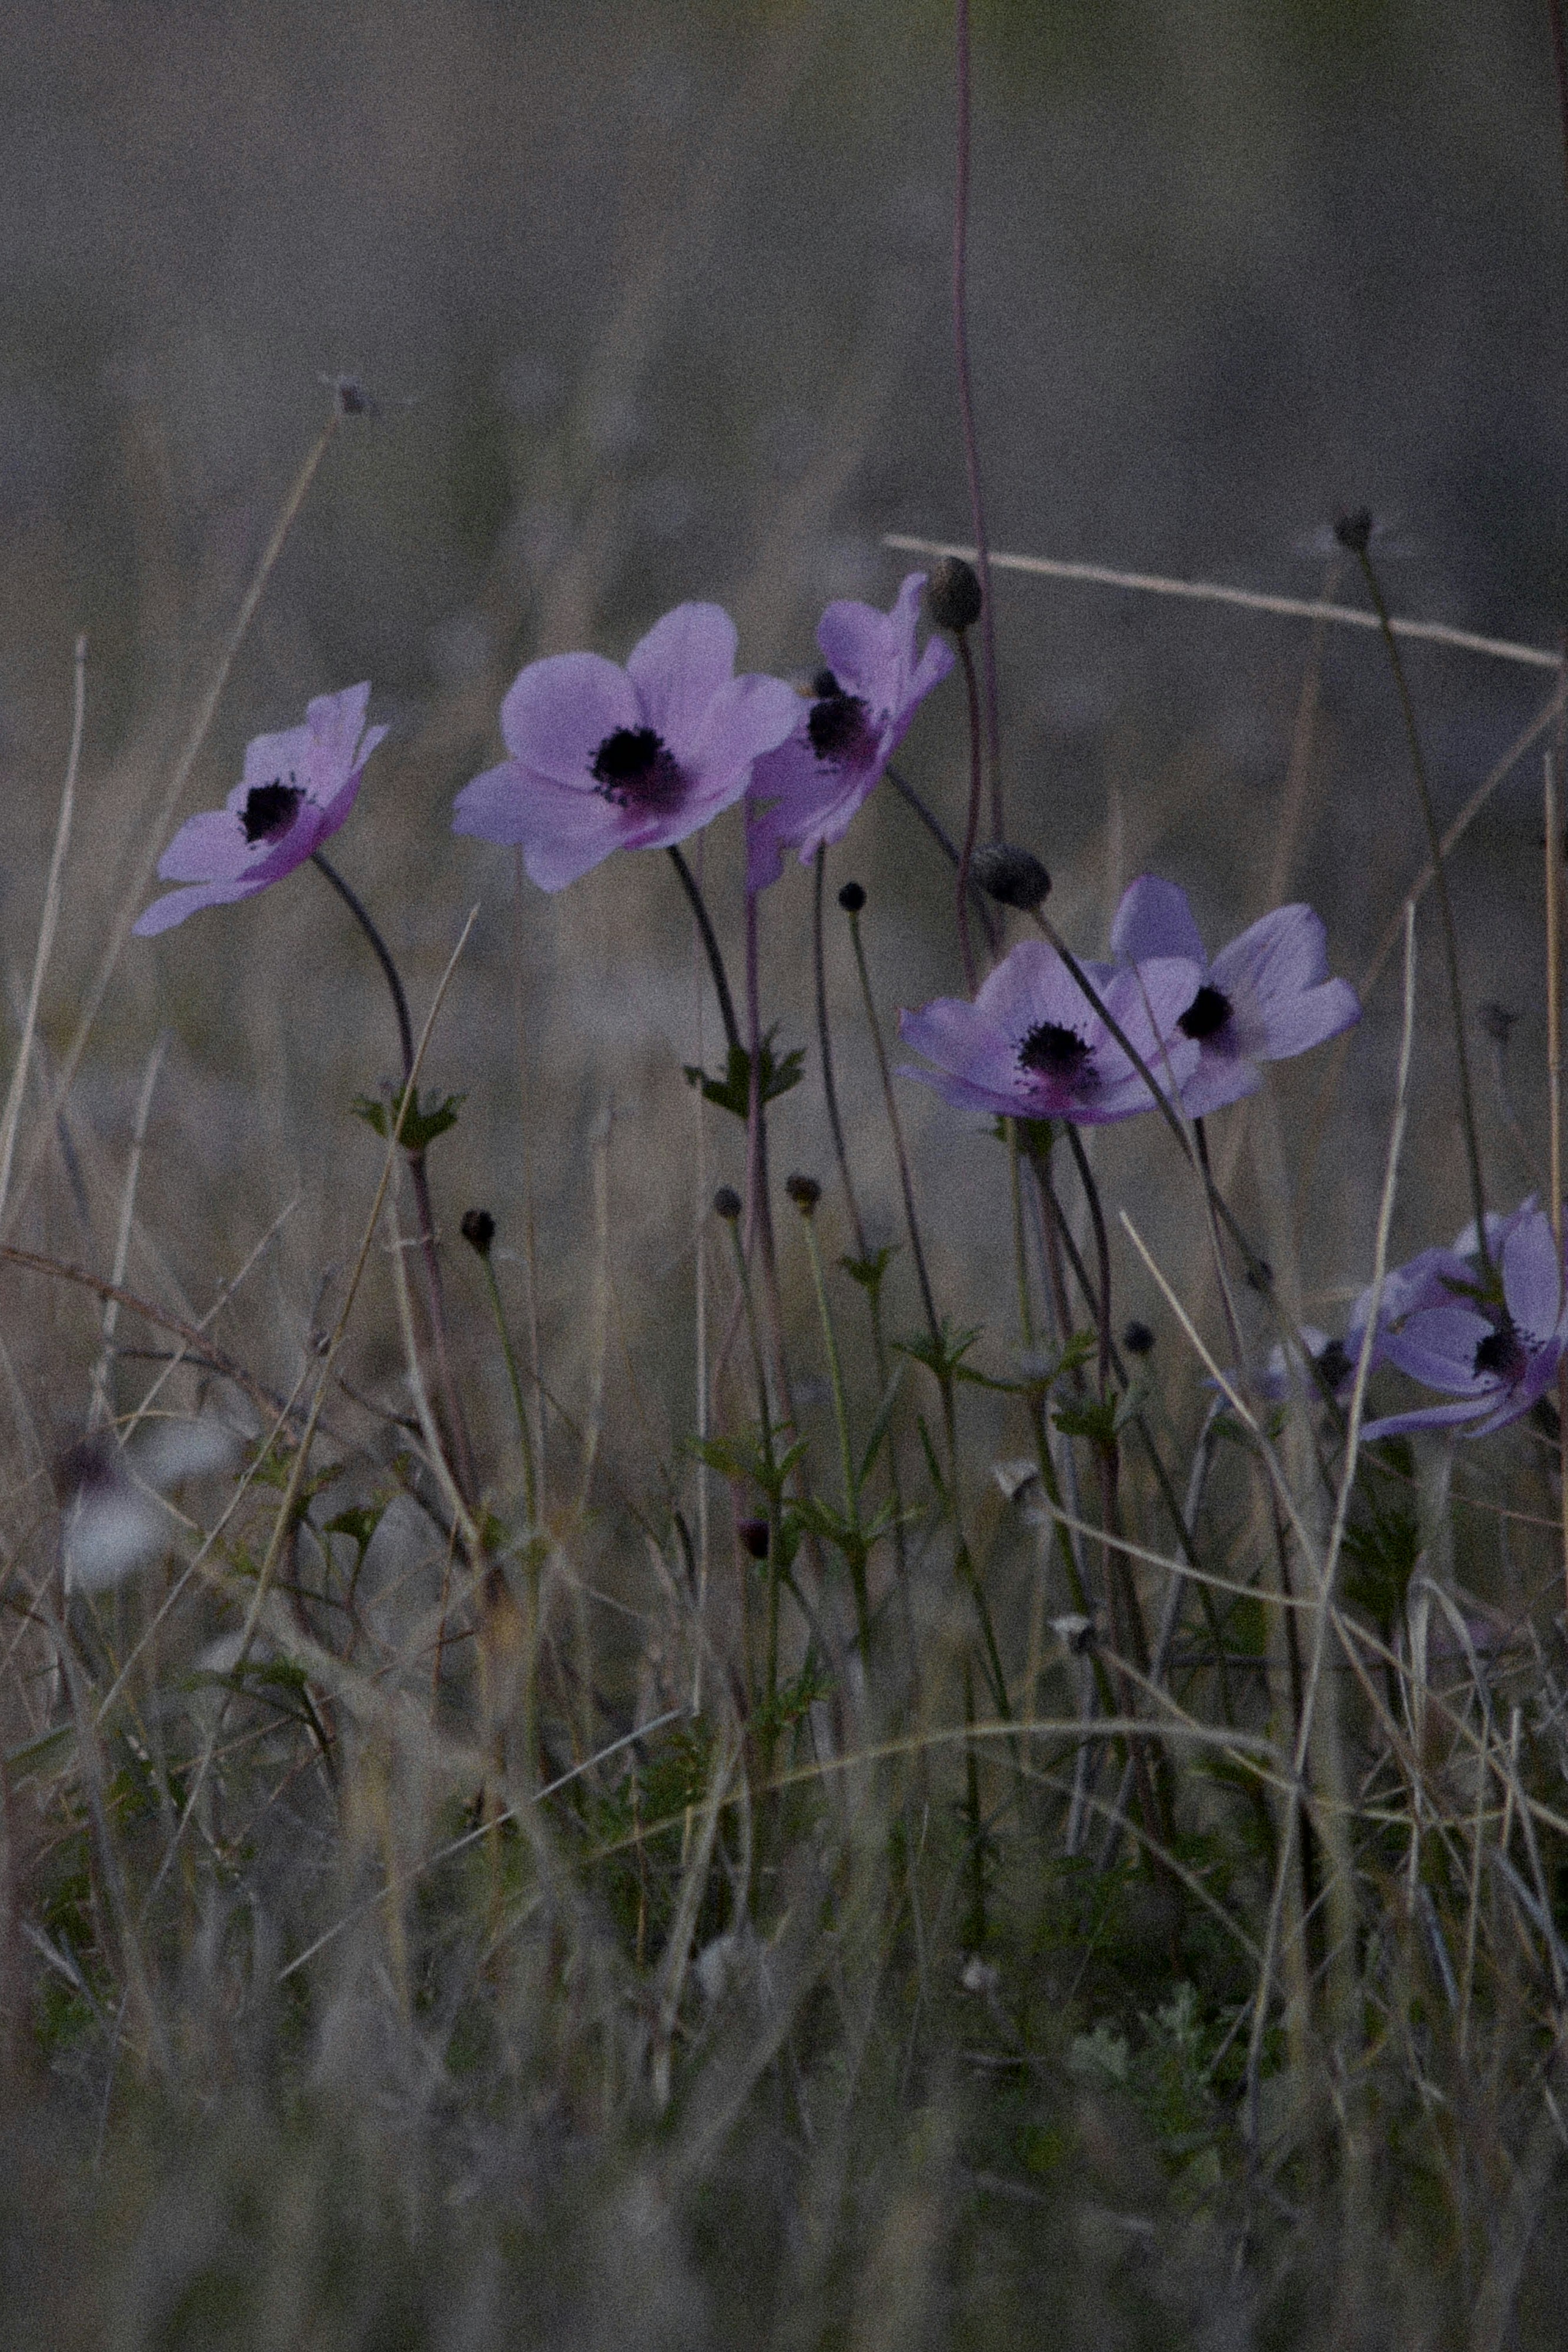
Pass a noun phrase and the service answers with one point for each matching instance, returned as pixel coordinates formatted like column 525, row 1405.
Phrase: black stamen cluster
column 1054, row 1050
column 269, row 808
column 1207, row 1015
column 634, row 768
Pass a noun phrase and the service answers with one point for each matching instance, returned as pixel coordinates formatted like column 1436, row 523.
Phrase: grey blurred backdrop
column 653, row 298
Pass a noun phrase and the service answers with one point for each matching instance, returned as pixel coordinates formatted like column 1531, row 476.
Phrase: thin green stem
column 709, row 937
column 1445, row 904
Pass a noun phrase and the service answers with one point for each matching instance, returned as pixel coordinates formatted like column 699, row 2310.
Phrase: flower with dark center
column 296, row 789
column 1496, row 1359
column 1266, row 996
column 601, row 758
column 863, row 702
column 1032, row 1046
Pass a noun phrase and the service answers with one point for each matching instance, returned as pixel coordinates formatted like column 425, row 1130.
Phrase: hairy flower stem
column 862, row 1249
column 1445, row 904
column 462, row 1452
column 967, row 405
column 978, row 903
column 759, row 1205
column 963, row 1561
column 709, row 939
column 972, row 817
column 515, row 1380
column 855, row 1545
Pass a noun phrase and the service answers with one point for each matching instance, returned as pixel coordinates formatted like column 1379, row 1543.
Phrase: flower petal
column 175, row 905
column 211, row 848
column 1533, row 1277
column 1155, row 920
column 1425, row 1416
column 557, row 712
column 684, row 661
column 562, row 832
column 1439, row 1348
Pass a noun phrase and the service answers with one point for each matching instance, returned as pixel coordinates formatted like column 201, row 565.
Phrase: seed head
column 953, row 595
column 1137, row 1338
column 1355, row 530
column 753, row 1534
column 805, row 1192
column 852, row 897
column 478, row 1230
column 726, row 1204
column 1014, row 876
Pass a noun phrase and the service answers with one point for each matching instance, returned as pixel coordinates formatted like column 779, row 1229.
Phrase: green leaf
column 732, row 1092
column 420, row 1128
column 880, row 1425
column 868, row 1271
column 1098, row 1421
column 941, row 1355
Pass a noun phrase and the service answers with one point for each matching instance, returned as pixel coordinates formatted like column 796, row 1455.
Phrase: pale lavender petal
column 959, row 1037
column 207, row 849
column 1295, row 1025
column 175, row 905
column 1278, row 956
column 796, row 800
column 1032, row 984
column 334, row 724
column 1439, row 1348
column 933, row 666
column 1426, row 1417
column 870, row 653
column 562, row 832
column 1533, row 1277
column 1499, row 1227
column 1155, row 920
column 748, row 717
column 684, row 660
column 1217, row 1079
column 964, row 1095
column 557, row 712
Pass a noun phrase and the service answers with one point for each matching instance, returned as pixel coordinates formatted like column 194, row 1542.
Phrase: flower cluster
column 1036, row 1043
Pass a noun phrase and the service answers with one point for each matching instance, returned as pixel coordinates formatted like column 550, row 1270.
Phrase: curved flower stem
column 979, row 904
column 962, row 1558
column 825, row 1050
column 972, row 818
column 967, row 408
column 463, row 1463
column 1445, row 904
column 758, row 1206
column 709, row 937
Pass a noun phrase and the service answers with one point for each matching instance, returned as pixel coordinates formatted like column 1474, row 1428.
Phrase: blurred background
column 653, row 301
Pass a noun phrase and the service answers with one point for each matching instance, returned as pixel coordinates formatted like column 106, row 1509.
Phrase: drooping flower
column 1266, row 996
column 808, row 791
column 603, row 758
column 1031, row 1045
column 295, row 791
column 1496, row 1356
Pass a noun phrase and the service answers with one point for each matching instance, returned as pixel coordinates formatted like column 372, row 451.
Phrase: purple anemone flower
column 808, row 791
column 605, row 758
column 295, row 791
column 1433, row 1277
column 1495, row 1356
column 1266, row 996
column 1032, row 1046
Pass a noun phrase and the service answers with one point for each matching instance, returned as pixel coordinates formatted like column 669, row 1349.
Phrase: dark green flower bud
column 1014, row 876
column 1355, row 530
column 805, row 1192
column 852, row 897
column 1137, row 1338
column 726, row 1204
column 953, row 595
column 478, row 1230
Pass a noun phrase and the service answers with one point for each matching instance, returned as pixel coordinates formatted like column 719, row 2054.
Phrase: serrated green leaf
column 732, row 1092
column 420, row 1128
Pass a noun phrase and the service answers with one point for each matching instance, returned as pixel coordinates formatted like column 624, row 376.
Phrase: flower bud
column 805, row 1192
column 1014, row 876
column 852, row 897
column 726, row 1204
column 753, row 1534
column 478, row 1230
column 1355, row 530
column 953, row 595
column 1137, row 1338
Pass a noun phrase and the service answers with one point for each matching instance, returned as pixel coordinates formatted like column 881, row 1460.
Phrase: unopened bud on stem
column 1014, row 876
column 478, row 1230
column 953, row 595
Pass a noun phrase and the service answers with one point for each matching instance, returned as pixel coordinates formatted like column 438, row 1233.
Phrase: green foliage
column 777, row 1074
column 420, row 1128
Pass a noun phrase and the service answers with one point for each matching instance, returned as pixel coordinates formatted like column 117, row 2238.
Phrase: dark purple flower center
column 270, row 810
column 1207, row 1015
column 635, row 768
column 839, row 724
column 1501, row 1351
column 1056, row 1052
